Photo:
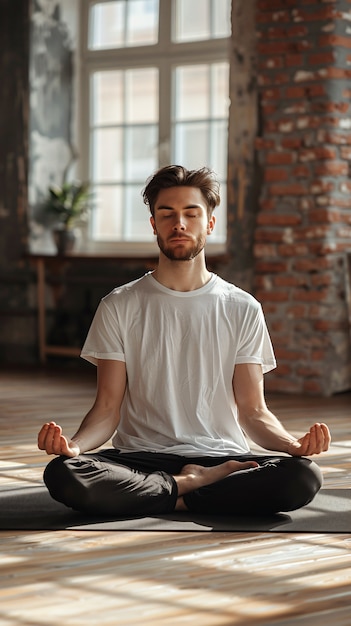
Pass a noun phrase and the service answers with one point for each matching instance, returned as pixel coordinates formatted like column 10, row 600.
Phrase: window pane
column 124, row 148
column 107, row 97
column 220, row 90
column 107, row 216
column 218, row 149
column 202, row 94
column 192, row 20
column 107, row 25
column 137, row 225
column 107, row 151
column 192, row 92
column 141, row 152
column 222, row 18
column 123, row 23
column 134, row 92
column 200, row 144
column 191, row 145
column 120, row 214
column 202, row 19
column 142, row 22
column 142, row 95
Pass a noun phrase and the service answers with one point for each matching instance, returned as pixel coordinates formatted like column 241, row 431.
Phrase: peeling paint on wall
column 51, row 70
column 243, row 122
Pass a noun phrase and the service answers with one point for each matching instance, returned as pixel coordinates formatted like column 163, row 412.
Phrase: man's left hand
column 317, row 440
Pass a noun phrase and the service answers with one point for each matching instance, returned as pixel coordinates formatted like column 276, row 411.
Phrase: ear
column 211, row 224
column 152, row 222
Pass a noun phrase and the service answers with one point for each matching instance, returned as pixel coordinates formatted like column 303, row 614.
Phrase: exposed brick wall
column 304, row 221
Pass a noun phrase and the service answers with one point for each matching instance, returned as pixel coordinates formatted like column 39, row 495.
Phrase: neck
column 182, row 275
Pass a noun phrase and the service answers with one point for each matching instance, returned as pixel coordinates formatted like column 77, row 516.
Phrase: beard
column 182, row 252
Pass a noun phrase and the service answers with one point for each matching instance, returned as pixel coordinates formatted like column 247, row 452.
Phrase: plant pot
column 64, row 239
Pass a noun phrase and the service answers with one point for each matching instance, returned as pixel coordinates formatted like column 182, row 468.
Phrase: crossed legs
column 142, row 484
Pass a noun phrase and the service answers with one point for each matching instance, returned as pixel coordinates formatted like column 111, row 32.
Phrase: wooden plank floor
column 142, row 579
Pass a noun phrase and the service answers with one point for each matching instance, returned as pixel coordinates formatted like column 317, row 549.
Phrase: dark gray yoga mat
column 33, row 509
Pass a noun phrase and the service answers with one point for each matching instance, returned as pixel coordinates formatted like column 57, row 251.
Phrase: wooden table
column 58, row 265
column 44, row 348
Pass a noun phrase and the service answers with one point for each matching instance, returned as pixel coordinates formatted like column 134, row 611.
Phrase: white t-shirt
column 180, row 350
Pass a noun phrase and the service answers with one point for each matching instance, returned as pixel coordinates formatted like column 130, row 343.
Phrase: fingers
column 327, row 437
column 51, row 440
column 45, row 436
column 317, row 440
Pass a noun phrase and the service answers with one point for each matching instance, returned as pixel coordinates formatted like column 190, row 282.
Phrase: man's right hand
column 52, row 440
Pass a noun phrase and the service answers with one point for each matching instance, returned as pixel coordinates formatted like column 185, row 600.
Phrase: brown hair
column 178, row 176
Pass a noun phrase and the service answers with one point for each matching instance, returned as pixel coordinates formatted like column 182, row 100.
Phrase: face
column 181, row 223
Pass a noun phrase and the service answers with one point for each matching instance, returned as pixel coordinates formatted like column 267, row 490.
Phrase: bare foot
column 195, row 476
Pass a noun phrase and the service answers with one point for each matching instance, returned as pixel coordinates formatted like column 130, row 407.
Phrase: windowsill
column 138, row 249
column 116, row 250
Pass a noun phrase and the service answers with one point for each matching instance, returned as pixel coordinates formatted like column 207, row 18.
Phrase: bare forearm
column 100, row 422
column 264, row 428
column 97, row 427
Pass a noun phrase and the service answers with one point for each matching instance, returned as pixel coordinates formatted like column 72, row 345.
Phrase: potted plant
column 67, row 205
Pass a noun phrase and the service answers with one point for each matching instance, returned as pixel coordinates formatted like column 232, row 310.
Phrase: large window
column 156, row 83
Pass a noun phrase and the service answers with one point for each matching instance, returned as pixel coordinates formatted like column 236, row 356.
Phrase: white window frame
column 169, row 54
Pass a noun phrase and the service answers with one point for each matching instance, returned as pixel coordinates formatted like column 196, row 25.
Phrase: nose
column 179, row 224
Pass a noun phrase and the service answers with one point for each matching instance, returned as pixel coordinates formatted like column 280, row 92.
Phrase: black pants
column 142, row 484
